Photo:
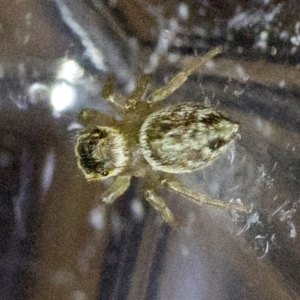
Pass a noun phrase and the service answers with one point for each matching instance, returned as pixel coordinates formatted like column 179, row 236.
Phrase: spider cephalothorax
column 150, row 139
column 102, row 151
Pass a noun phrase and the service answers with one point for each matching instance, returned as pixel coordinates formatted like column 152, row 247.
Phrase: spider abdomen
column 184, row 138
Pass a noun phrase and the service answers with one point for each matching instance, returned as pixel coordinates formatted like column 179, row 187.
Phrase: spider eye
column 104, row 173
column 98, row 134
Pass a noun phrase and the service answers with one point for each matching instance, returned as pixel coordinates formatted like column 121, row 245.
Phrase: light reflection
column 70, row 71
column 48, row 171
column 96, row 218
column 62, row 96
column 63, row 93
column 38, row 92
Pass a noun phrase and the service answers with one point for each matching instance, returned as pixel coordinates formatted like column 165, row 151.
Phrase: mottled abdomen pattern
column 184, row 138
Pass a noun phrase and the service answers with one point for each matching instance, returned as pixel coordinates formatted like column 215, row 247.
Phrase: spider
column 153, row 141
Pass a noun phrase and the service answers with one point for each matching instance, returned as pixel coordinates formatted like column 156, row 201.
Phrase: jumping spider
column 153, row 141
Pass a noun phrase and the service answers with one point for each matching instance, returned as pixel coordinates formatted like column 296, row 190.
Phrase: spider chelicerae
column 153, row 141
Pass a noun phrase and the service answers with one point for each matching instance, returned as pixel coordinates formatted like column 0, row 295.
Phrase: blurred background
column 58, row 241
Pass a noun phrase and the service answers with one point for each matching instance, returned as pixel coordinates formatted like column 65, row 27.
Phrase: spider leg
column 163, row 92
column 116, row 189
column 140, row 89
column 200, row 198
column 117, row 100
column 92, row 117
column 160, row 205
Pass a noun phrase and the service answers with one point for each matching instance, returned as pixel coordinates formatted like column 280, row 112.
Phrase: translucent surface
column 58, row 241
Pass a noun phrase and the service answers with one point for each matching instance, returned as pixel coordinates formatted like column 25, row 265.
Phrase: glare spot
column 262, row 43
column 293, row 231
column 28, row 18
column 282, row 83
column 38, row 92
column 273, row 50
column 263, row 127
column 62, row 96
column 96, row 218
column 173, row 58
column 48, row 171
column 74, row 126
column 183, row 11
column 137, row 209
column 260, row 246
column 26, row 39
column 295, row 40
column 237, row 93
column 70, row 71
column 284, row 35
column 184, row 250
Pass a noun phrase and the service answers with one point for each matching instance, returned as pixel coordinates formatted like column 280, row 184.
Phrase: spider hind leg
column 200, row 198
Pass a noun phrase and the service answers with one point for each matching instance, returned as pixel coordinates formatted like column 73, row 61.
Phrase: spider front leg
column 117, row 100
column 160, row 205
column 137, row 94
column 120, row 102
column 116, row 189
column 140, row 88
column 163, row 92
column 91, row 117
